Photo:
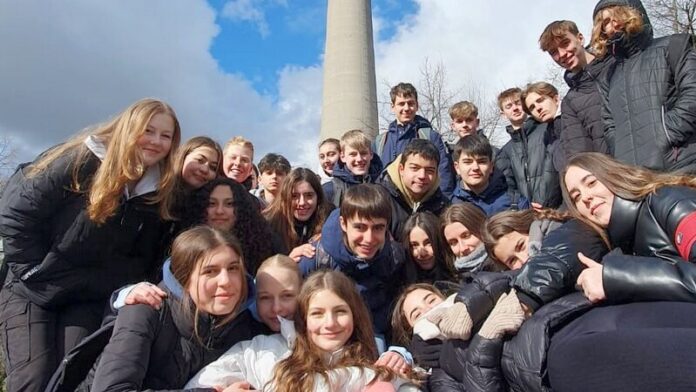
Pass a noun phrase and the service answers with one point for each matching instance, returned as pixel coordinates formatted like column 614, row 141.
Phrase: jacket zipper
column 675, row 149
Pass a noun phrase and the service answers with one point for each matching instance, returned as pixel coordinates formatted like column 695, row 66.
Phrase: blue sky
column 260, row 44
column 248, row 68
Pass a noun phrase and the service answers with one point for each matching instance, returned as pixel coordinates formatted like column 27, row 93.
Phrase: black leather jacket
column 651, row 268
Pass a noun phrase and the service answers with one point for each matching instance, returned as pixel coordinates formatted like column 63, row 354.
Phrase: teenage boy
column 409, row 126
column 356, row 165
column 465, row 122
column 510, row 104
column 412, row 183
column 480, row 183
column 583, row 128
column 272, row 170
column 354, row 240
column 529, row 168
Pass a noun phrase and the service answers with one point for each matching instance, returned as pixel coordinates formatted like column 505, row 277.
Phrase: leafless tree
column 7, row 158
column 672, row 16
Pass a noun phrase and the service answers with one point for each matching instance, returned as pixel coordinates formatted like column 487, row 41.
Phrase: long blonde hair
column 298, row 371
column 625, row 181
column 630, row 18
column 122, row 162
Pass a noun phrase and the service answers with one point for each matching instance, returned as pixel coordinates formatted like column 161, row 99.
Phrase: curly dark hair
column 258, row 240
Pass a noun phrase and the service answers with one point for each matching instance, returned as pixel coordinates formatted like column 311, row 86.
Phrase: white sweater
column 254, row 361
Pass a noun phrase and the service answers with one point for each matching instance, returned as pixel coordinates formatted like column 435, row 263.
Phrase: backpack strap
column 339, row 188
column 380, row 142
column 322, row 258
column 424, row 133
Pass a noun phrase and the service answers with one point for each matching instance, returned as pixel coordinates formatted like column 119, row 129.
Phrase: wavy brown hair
column 280, row 213
column 430, row 224
column 402, row 332
column 625, row 181
column 629, row 17
column 122, row 163
column 507, row 222
column 298, row 371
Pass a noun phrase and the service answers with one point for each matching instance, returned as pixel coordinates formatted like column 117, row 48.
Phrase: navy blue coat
column 398, row 136
column 493, row 199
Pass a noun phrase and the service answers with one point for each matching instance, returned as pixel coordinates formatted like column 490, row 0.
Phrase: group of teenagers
column 562, row 261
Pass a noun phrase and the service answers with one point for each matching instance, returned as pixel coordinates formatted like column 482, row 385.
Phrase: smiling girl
column 202, row 315
column 85, row 218
column 429, row 260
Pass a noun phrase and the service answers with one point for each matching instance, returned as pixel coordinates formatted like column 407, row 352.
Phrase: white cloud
column 248, row 11
column 68, row 65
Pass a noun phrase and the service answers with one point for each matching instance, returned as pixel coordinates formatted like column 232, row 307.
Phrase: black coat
column 553, row 272
column 57, row 255
column 649, row 105
column 401, row 210
column 652, row 268
column 158, row 350
column 527, row 163
column 581, row 110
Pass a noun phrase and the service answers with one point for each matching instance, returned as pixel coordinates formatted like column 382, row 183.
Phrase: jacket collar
column 496, row 185
column 340, row 171
column 622, row 222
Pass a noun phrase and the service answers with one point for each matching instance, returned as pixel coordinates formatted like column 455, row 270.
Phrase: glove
column 426, row 352
column 506, row 317
column 454, row 322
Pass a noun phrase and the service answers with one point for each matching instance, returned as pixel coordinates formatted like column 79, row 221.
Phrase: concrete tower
column 349, row 97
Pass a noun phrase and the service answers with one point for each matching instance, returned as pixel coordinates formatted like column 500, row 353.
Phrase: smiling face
column 220, row 211
column 155, row 144
column 329, row 321
column 328, row 156
column 417, row 303
column 216, row 282
column 511, row 250
column 304, row 201
column 542, row 107
column 404, row 108
column 237, row 162
column 460, row 239
column 592, row 199
column 417, row 174
column 421, row 248
column 200, row 166
column 364, row 236
column 356, row 161
column 569, row 51
column 277, row 290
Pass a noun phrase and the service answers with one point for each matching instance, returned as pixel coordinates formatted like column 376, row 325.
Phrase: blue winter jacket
column 342, row 179
column 378, row 280
column 398, row 136
column 493, row 199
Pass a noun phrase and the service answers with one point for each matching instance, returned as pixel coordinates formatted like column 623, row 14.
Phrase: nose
column 463, row 247
column 276, row 306
column 330, row 320
column 219, row 209
column 224, row 278
column 586, row 197
column 301, row 201
column 475, row 165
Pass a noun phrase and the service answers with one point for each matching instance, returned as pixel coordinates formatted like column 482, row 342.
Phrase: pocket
column 15, row 334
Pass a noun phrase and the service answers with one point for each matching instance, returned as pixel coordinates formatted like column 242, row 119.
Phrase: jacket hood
column 341, row 172
column 392, row 172
column 622, row 45
column 496, row 185
column 333, row 244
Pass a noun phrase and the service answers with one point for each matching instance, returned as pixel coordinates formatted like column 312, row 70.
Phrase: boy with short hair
column 528, row 156
column 272, row 170
column 581, row 109
column 409, row 126
column 356, row 165
column 466, row 122
column 510, row 104
column 480, row 183
column 412, row 182
column 355, row 240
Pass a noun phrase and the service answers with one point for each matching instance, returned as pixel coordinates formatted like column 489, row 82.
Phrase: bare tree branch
column 672, row 16
column 7, row 158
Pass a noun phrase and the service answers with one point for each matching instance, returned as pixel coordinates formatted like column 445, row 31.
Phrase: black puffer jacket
column 654, row 229
column 57, row 255
column 524, row 355
column 553, row 271
column 527, row 163
column 581, row 110
column 158, row 349
column 650, row 107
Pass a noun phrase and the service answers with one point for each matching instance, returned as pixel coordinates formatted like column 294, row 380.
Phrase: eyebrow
column 582, row 181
